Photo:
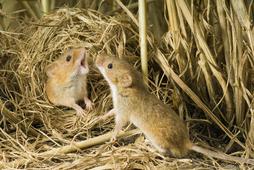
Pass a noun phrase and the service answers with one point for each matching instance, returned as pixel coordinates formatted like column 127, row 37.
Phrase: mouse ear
column 125, row 80
column 51, row 69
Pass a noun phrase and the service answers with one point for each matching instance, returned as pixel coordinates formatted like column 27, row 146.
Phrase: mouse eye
column 68, row 58
column 110, row 66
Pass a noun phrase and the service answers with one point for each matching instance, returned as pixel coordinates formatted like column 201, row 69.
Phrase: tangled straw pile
column 31, row 125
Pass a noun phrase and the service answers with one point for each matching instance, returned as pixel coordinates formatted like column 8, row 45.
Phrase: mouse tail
column 220, row 155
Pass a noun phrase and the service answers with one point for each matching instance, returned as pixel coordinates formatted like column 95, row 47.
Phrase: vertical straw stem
column 52, row 4
column 142, row 39
column 29, row 9
column 45, row 5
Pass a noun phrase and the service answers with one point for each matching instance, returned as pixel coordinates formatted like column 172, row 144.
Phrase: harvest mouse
column 67, row 80
column 133, row 103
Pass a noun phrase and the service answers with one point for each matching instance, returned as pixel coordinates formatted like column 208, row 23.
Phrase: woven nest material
column 23, row 62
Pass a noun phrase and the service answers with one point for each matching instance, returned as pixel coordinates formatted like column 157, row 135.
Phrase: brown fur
column 159, row 123
column 67, row 80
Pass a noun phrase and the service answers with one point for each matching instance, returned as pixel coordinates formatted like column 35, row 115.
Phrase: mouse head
column 117, row 72
column 72, row 63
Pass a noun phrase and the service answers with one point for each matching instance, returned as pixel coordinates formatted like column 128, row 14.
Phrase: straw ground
column 33, row 130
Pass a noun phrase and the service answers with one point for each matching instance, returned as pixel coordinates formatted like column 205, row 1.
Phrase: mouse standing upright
column 67, row 80
column 133, row 103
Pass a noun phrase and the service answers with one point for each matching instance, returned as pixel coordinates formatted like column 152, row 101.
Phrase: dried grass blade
column 225, row 38
column 161, row 60
column 72, row 147
column 174, row 29
column 243, row 17
column 209, row 57
column 127, row 11
column 10, row 116
column 30, row 9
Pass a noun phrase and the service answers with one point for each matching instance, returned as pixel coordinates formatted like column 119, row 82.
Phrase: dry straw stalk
column 203, row 66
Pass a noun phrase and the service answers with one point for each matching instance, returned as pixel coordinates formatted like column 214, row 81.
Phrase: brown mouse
column 67, row 80
column 160, row 124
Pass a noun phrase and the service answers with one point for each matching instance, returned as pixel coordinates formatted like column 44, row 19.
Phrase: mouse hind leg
column 108, row 114
column 166, row 151
column 178, row 153
column 171, row 147
column 179, row 149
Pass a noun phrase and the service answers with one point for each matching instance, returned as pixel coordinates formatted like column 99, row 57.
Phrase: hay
column 23, row 97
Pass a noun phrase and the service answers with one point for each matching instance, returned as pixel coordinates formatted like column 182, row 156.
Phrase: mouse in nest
column 67, row 80
column 160, row 124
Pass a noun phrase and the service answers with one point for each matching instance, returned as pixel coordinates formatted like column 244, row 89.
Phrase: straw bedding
column 36, row 126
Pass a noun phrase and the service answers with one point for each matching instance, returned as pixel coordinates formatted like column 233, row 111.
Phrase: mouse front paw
column 89, row 104
column 80, row 112
column 108, row 114
column 103, row 117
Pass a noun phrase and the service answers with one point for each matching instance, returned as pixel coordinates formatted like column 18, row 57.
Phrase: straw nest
column 31, row 127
